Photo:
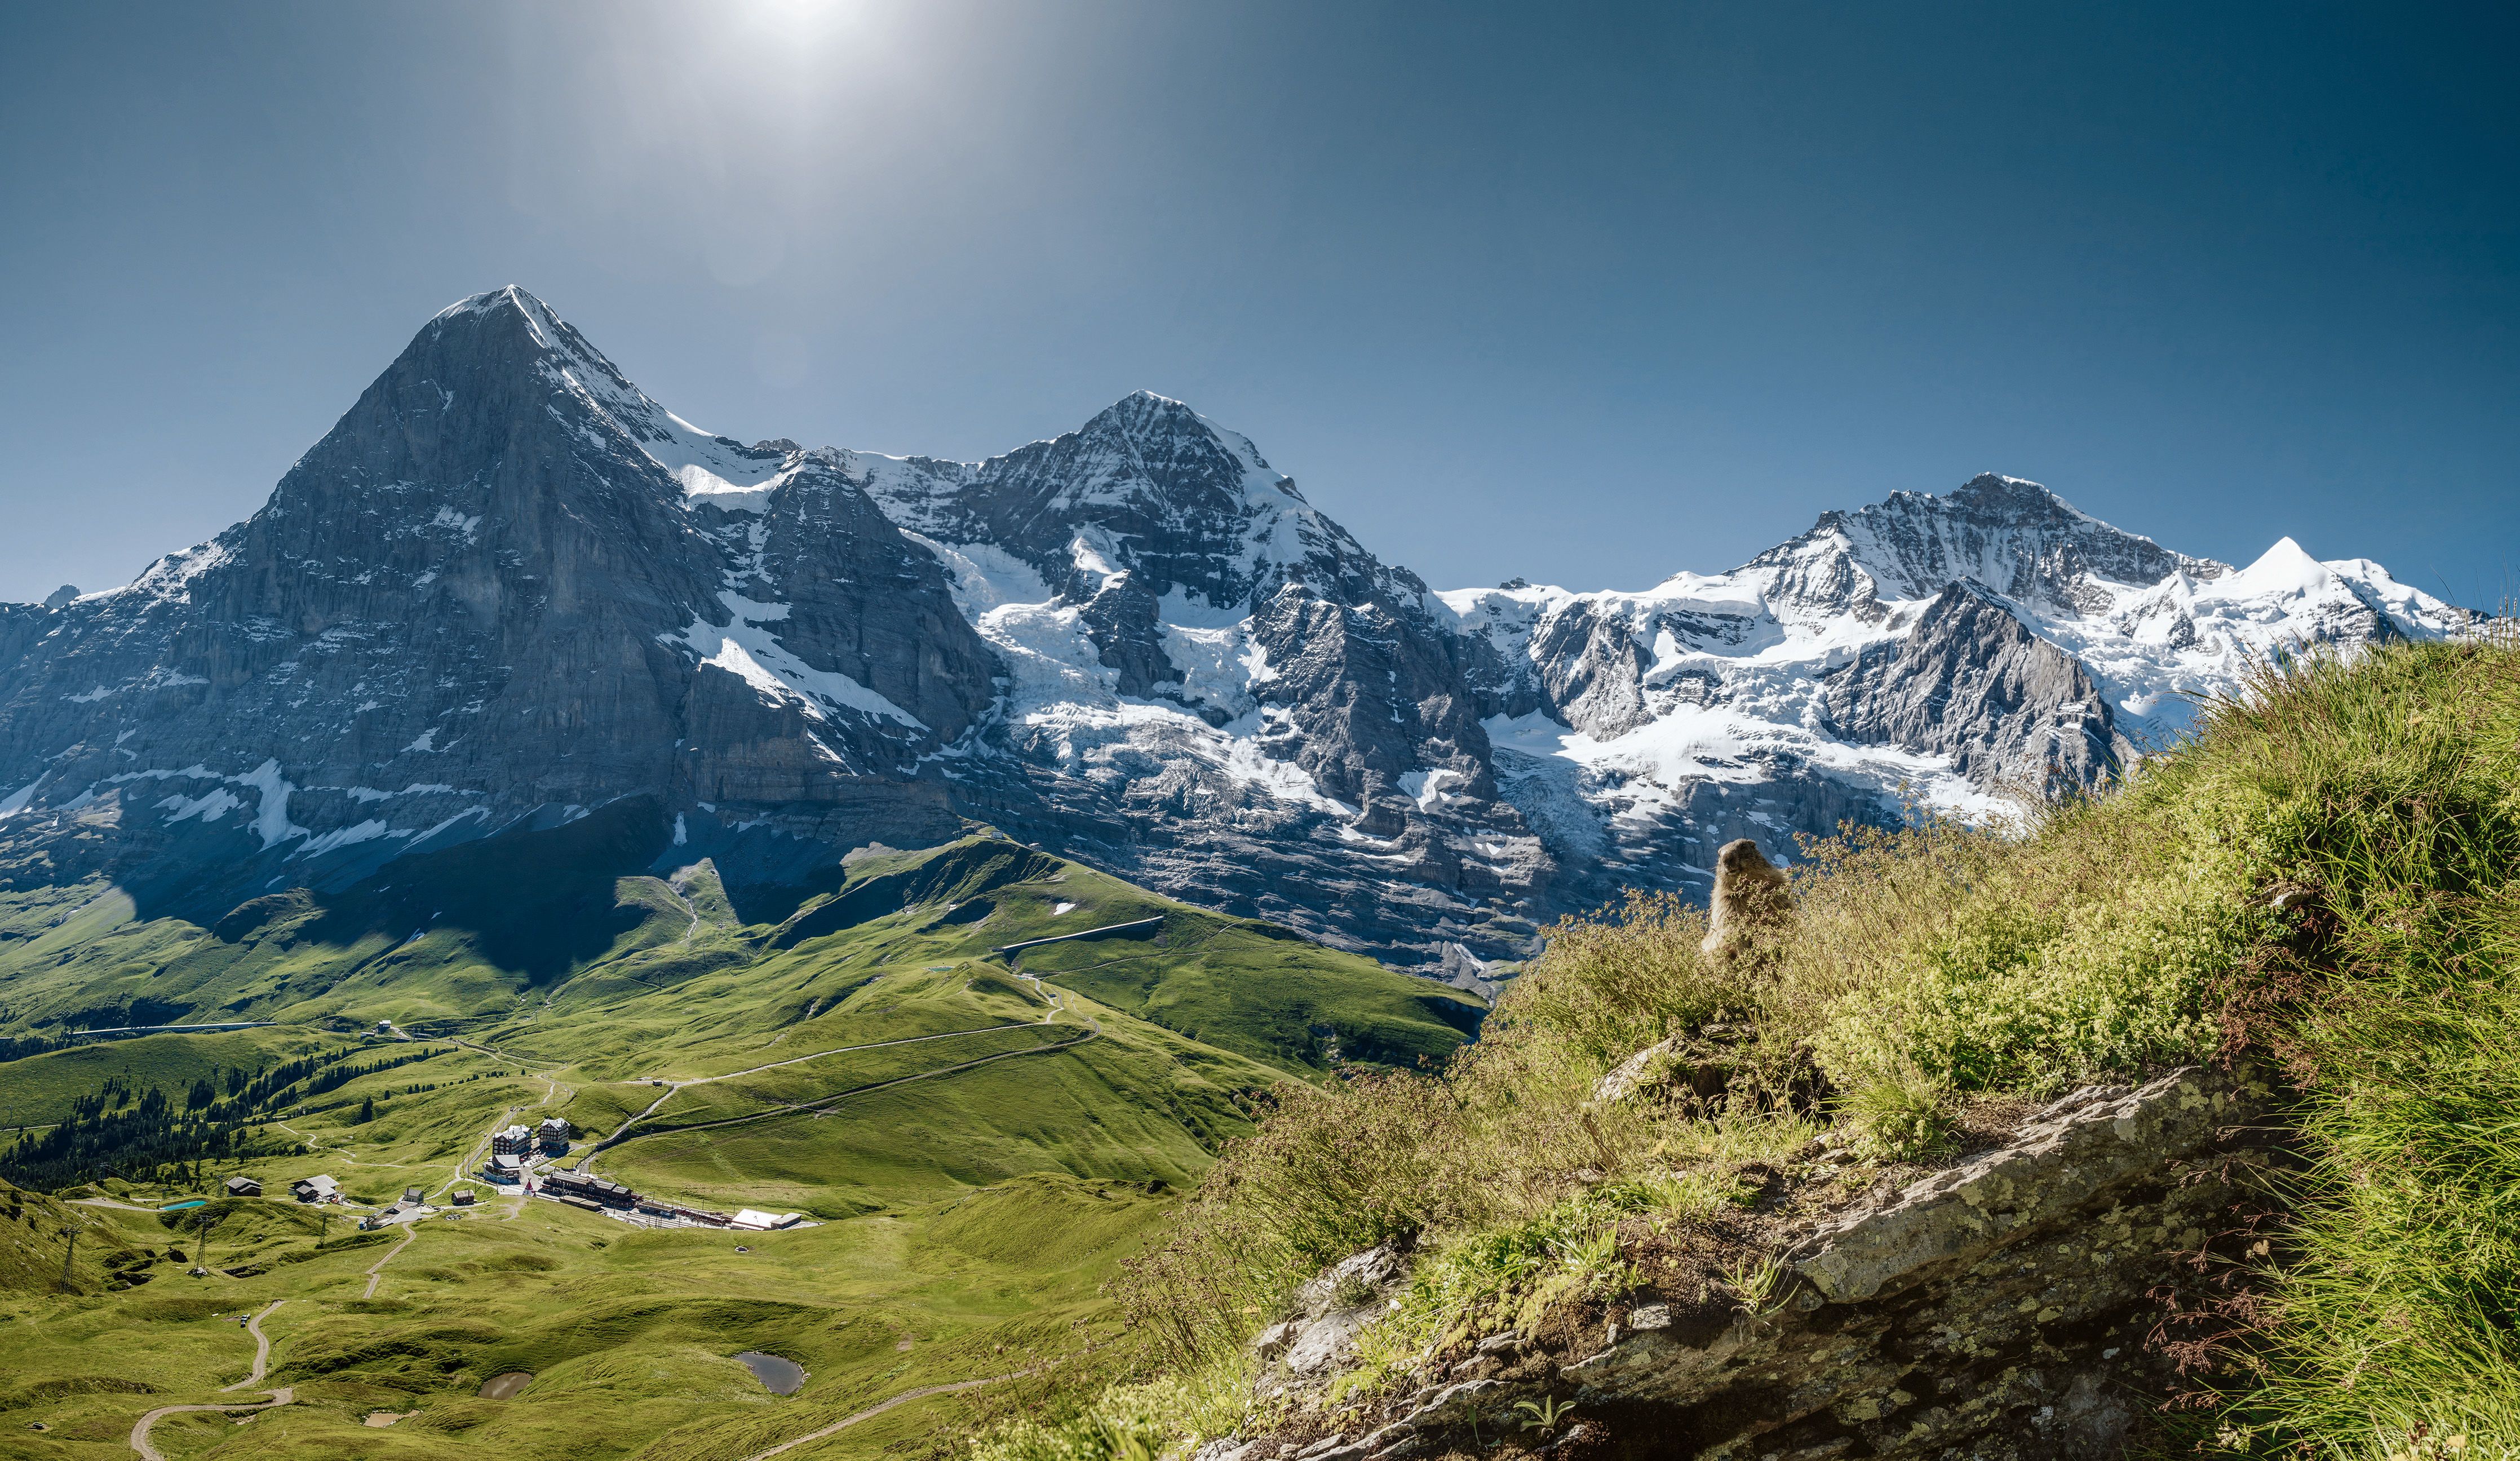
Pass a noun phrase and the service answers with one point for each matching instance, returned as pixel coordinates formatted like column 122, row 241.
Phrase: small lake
column 506, row 1386
column 783, row 1376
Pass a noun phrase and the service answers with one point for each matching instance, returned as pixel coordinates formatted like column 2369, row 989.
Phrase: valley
column 975, row 1139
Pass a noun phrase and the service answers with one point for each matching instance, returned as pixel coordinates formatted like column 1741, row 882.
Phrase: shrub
column 1615, row 981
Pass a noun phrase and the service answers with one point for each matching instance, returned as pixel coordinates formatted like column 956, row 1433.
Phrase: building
column 243, row 1187
column 316, row 1190
column 411, row 1197
column 570, row 1184
column 751, row 1222
column 464, row 1196
column 553, row 1135
column 504, row 1169
column 513, row 1141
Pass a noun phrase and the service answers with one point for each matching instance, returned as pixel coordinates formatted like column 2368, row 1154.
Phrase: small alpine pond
column 783, row 1376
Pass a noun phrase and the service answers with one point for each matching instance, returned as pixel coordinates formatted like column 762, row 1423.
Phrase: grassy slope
column 983, row 1208
column 41, row 1087
column 627, row 1332
column 2327, row 882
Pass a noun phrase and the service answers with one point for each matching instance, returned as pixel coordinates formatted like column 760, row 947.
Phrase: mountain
column 1943, row 652
column 508, row 588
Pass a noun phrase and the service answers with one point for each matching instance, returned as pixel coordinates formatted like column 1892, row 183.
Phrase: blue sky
column 1584, row 293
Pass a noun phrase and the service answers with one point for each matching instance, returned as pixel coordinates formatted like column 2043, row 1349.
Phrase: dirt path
column 344, row 1159
column 871, row 1411
column 674, row 884
column 377, row 1269
column 261, row 1347
column 820, row 1103
column 621, row 1134
column 140, row 1432
column 283, row 1396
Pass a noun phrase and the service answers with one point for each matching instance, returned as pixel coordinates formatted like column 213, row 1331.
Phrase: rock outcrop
column 1319, row 1338
column 1997, row 1310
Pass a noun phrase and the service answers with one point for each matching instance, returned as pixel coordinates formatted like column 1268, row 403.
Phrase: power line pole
column 71, row 1234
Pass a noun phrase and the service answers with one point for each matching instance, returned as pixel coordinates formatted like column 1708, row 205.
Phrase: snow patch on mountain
column 754, row 654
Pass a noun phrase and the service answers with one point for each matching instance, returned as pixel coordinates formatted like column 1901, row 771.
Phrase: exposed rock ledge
column 1995, row 1310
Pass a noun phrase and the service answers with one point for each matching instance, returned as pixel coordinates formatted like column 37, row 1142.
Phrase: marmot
column 1748, row 891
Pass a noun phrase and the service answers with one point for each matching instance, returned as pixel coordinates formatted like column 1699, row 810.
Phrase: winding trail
column 261, row 1347
column 675, row 885
column 377, row 1269
column 871, row 1411
column 282, row 1396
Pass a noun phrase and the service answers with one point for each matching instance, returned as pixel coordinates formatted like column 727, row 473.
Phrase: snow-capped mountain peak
column 708, row 467
column 2285, row 570
column 1940, row 649
column 2008, row 533
column 509, row 586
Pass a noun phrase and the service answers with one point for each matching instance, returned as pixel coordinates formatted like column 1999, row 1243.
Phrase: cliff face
column 482, row 600
column 508, row 588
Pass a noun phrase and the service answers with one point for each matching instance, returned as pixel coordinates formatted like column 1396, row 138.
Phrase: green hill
column 981, row 1136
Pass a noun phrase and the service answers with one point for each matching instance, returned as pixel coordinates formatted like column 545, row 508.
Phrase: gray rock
column 1452, row 1403
column 1319, row 1340
column 1646, row 1068
column 2071, row 1154
column 1971, row 682
column 1994, row 1310
column 1669, row 1066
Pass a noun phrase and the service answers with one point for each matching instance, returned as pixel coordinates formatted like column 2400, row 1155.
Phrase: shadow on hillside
column 534, row 904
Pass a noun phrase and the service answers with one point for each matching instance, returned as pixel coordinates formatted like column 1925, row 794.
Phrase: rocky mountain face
column 508, row 588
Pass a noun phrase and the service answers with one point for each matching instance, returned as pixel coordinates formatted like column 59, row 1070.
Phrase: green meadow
column 977, row 1140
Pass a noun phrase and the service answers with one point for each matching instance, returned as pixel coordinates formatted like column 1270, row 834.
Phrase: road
column 140, row 1432
column 1093, row 1029
column 282, row 1396
column 261, row 1347
column 871, row 1411
column 621, row 1132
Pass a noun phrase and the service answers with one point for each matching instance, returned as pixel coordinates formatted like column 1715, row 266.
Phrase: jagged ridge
column 508, row 587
